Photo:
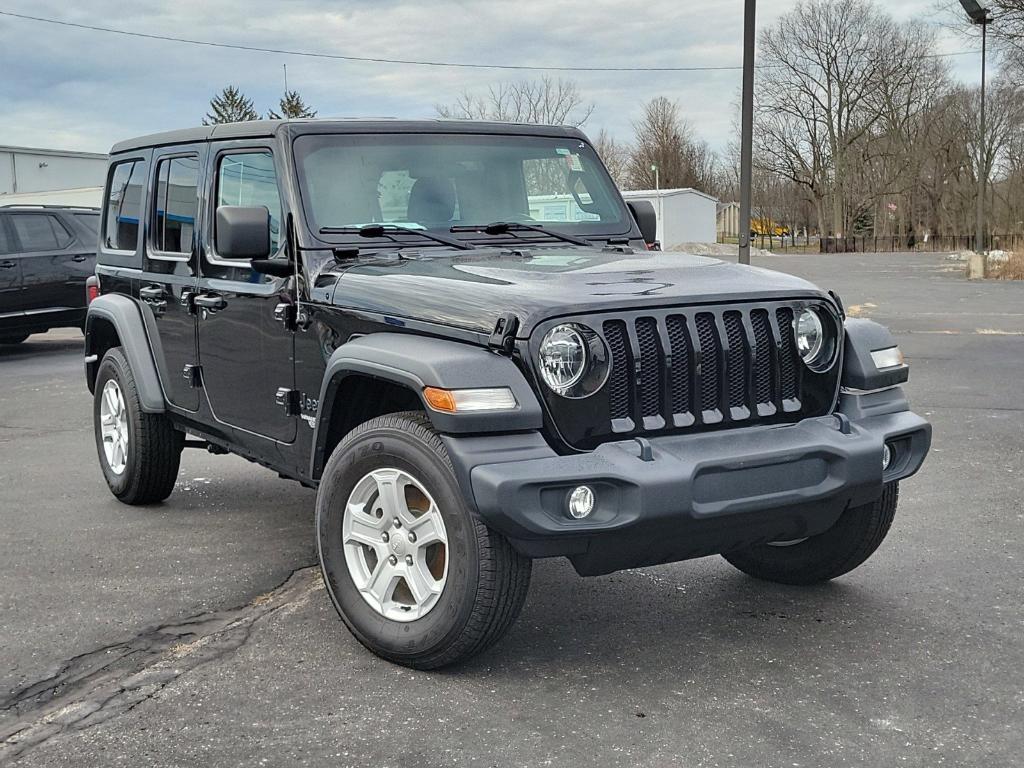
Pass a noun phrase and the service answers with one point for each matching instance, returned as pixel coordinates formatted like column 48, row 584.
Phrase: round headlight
column 810, row 336
column 563, row 358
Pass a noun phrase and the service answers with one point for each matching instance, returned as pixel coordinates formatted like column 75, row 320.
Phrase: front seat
column 432, row 202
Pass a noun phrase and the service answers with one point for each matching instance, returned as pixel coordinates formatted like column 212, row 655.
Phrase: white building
column 51, row 176
column 684, row 215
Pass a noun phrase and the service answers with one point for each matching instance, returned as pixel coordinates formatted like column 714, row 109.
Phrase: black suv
column 47, row 252
column 454, row 331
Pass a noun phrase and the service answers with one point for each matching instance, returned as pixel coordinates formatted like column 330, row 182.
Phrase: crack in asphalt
column 107, row 682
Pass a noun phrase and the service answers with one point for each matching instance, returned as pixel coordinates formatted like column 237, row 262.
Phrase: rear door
column 10, row 274
column 169, row 270
column 245, row 352
column 53, row 262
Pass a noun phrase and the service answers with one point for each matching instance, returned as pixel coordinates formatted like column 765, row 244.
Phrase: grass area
column 1011, row 269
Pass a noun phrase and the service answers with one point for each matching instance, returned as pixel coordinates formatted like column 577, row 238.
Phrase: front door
column 245, row 352
column 168, row 280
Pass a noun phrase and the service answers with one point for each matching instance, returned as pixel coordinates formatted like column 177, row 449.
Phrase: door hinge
column 292, row 316
column 193, row 374
column 290, row 400
column 503, row 337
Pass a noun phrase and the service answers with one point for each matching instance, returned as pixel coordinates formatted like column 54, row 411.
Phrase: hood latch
column 503, row 337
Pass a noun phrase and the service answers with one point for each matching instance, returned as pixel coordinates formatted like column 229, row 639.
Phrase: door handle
column 79, row 258
column 211, row 302
column 8, row 264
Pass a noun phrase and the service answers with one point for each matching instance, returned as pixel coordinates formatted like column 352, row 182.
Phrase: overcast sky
column 77, row 89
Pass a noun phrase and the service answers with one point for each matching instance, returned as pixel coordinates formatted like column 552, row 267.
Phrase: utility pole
column 747, row 129
column 979, row 237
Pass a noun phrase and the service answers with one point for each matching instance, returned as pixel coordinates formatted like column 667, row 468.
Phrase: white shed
column 684, row 215
column 50, row 176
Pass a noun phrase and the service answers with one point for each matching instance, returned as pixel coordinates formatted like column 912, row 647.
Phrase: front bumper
column 690, row 495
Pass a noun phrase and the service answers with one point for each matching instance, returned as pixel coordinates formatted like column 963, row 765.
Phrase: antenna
column 285, row 67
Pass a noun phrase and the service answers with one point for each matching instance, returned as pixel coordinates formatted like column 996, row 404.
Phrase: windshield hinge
column 503, row 337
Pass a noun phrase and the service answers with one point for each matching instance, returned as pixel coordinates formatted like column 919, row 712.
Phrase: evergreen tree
column 230, row 106
column 292, row 107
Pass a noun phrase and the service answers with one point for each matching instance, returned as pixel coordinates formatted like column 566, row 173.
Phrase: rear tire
column 139, row 452
column 396, row 467
column 840, row 549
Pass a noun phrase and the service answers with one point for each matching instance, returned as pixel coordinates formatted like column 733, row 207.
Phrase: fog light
column 886, row 456
column 581, row 502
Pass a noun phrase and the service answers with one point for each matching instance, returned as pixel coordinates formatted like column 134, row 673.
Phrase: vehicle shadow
column 690, row 621
column 51, row 343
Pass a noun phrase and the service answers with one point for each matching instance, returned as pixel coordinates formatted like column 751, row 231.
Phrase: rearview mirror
column 242, row 233
column 646, row 218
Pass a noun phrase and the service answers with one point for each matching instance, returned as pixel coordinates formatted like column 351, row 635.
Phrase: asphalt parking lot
column 197, row 632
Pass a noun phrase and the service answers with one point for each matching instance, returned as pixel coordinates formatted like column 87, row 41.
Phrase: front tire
column 139, row 452
column 840, row 549
column 413, row 573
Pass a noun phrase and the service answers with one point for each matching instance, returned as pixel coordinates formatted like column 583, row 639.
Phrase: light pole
column 657, row 189
column 747, row 129
column 980, row 16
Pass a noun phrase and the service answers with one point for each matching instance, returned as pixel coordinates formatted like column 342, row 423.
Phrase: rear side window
column 90, row 221
column 6, row 246
column 124, row 205
column 40, row 232
column 176, row 204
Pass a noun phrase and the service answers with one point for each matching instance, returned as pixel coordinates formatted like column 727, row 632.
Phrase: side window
column 176, row 204
column 124, row 206
column 6, row 246
column 40, row 232
column 91, row 222
column 249, row 179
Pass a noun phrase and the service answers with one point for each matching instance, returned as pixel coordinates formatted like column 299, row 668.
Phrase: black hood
column 471, row 290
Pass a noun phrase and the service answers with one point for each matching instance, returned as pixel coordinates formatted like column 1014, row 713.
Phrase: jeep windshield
column 459, row 183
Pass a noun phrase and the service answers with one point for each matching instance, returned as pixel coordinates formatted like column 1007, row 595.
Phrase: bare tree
column 615, row 156
column 664, row 141
column 547, row 101
column 827, row 66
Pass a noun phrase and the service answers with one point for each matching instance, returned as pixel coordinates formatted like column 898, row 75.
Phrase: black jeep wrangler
column 455, row 332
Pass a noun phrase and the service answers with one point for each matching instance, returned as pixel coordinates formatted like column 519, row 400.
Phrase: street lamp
column 657, row 189
column 747, row 130
column 980, row 16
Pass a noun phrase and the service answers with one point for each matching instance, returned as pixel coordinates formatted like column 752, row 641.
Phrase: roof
column 666, row 193
column 47, row 207
column 268, row 128
column 52, row 152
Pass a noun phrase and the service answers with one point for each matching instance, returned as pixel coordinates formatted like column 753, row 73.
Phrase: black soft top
column 269, row 128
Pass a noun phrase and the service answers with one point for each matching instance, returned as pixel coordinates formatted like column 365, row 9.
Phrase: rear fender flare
column 123, row 313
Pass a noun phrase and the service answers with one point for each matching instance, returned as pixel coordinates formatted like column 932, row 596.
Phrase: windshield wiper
column 388, row 230
column 502, row 227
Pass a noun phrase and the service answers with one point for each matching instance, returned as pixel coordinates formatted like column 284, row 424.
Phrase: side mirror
column 646, row 218
column 242, row 233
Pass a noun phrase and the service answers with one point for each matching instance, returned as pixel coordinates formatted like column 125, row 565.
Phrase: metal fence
column 887, row 243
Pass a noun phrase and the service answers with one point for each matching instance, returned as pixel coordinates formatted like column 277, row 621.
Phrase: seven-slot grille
column 676, row 369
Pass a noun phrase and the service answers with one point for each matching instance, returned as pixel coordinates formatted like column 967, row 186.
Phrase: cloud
column 80, row 89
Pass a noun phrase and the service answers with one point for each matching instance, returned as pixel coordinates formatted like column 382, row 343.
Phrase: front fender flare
column 859, row 372
column 123, row 313
column 416, row 362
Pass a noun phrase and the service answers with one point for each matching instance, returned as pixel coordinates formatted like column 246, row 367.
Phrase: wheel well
column 360, row 398
column 100, row 337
